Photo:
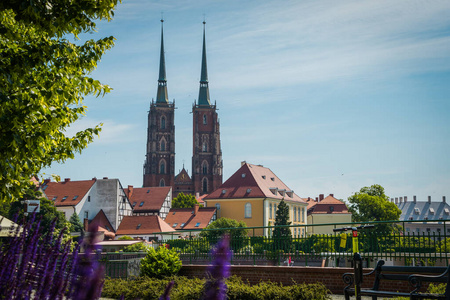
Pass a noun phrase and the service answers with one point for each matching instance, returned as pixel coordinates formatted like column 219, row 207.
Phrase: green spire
column 203, row 97
column 161, row 96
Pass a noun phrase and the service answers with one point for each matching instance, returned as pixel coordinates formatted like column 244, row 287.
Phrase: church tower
column 159, row 165
column 207, row 154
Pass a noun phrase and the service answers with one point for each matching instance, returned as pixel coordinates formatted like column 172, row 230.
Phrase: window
column 205, row 185
column 447, row 211
column 182, row 225
column 140, row 204
column 89, row 198
column 218, row 206
column 162, row 167
column 431, row 210
column 299, row 217
column 198, row 224
column 175, row 225
column 86, row 214
column 270, row 211
column 204, row 147
column 162, row 182
column 204, row 119
column 64, row 198
column 162, row 146
column 163, row 122
column 205, row 168
column 139, row 226
column 54, row 198
column 248, row 210
column 75, row 197
column 134, row 204
column 331, row 208
column 295, row 214
column 416, row 211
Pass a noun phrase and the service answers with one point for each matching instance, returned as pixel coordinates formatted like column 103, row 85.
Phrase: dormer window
column 446, row 211
column 416, row 211
column 431, row 210
column 274, row 190
column 224, row 192
column 243, row 175
column 264, row 177
column 272, row 178
column 249, row 190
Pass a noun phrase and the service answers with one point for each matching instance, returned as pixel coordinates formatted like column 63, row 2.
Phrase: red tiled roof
column 138, row 225
column 101, row 220
column 147, row 198
column 186, row 216
column 201, row 198
column 67, row 193
column 324, row 206
column 254, row 181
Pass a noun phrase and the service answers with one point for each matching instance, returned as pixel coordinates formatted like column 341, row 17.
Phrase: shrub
column 136, row 247
column 160, row 263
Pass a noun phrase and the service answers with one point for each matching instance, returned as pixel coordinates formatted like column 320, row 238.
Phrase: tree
column 43, row 80
column 239, row 230
column 282, row 236
column 160, row 263
column 371, row 204
column 184, row 201
column 77, row 226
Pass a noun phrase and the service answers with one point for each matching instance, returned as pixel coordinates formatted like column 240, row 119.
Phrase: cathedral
column 159, row 165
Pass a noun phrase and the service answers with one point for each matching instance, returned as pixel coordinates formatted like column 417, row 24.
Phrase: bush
column 136, row 247
column 160, row 263
column 192, row 289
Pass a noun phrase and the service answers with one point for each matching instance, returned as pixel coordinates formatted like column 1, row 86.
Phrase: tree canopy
column 224, row 224
column 44, row 78
column 371, row 204
column 184, row 201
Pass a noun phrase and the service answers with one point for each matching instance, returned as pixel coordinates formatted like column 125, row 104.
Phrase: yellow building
column 328, row 210
column 252, row 195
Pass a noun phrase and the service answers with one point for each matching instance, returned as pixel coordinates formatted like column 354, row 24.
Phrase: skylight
column 134, row 204
column 142, row 203
column 65, row 197
column 139, row 226
column 182, row 225
column 198, row 224
column 54, row 198
column 175, row 225
column 75, row 198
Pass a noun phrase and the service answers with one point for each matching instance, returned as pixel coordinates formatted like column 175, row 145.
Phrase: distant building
column 87, row 198
column 191, row 218
column 147, row 228
column 328, row 210
column 252, row 194
column 150, row 200
column 159, row 165
column 433, row 213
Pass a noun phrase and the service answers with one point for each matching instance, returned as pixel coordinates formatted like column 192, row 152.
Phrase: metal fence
column 393, row 241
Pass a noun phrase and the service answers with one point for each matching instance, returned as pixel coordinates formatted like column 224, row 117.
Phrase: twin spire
column 162, row 96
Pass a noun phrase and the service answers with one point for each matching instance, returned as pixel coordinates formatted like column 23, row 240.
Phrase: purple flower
column 218, row 271
column 166, row 295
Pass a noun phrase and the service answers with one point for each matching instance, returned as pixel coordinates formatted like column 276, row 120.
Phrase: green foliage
column 136, row 247
column 371, row 204
column 77, row 226
column 192, row 289
column 223, row 226
column 43, row 81
column 184, row 201
column 125, row 238
column 160, row 263
column 282, row 236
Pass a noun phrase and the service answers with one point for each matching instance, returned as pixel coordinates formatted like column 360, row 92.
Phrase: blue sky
column 330, row 95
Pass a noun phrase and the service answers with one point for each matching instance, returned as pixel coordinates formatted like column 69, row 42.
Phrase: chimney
column 332, row 195
column 396, row 200
column 196, row 206
column 86, row 225
column 317, row 199
column 401, row 200
column 66, row 179
column 130, row 191
column 105, row 177
column 429, row 199
column 320, row 197
column 414, row 199
column 197, row 195
column 405, row 198
column 243, row 163
column 309, row 198
column 443, row 199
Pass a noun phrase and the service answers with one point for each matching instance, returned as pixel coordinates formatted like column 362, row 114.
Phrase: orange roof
column 188, row 218
column 200, row 199
column 147, row 199
column 254, row 181
column 67, row 192
column 101, row 220
column 139, row 225
column 329, row 205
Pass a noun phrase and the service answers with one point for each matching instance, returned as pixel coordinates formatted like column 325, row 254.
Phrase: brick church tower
column 207, row 154
column 159, row 165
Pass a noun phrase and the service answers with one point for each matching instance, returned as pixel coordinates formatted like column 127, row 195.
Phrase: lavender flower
column 34, row 264
column 219, row 271
column 166, row 295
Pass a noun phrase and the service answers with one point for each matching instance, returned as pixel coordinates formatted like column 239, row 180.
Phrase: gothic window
column 162, row 146
column 204, row 147
column 248, row 210
column 162, row 167
column 204, row 119
column 163, row 122
column 162, row 183
column 205, row 185
column 204, row 168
